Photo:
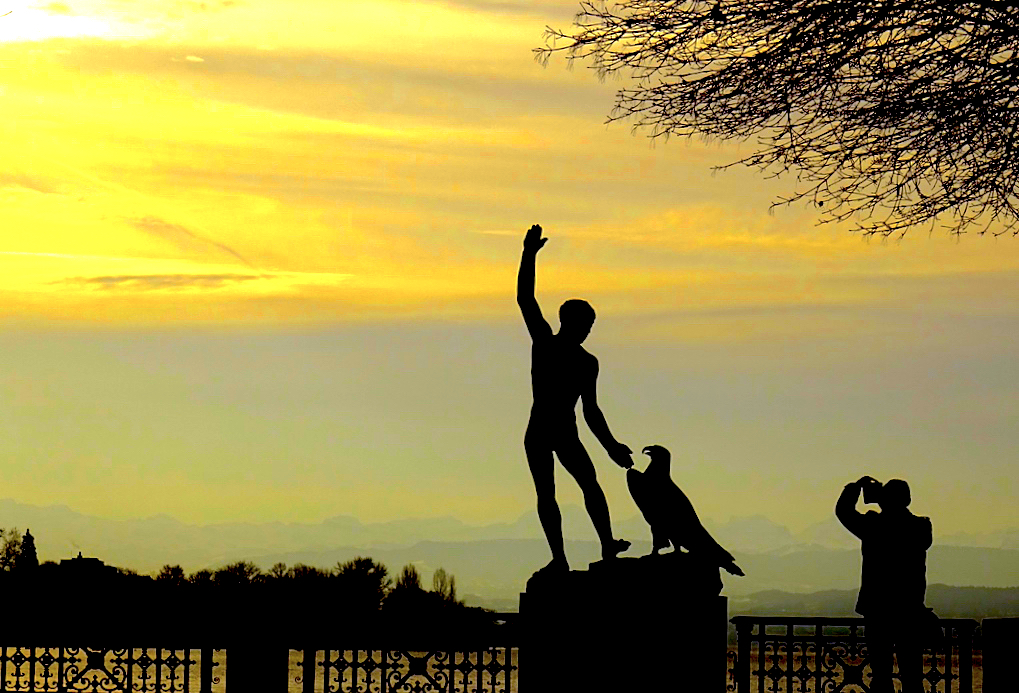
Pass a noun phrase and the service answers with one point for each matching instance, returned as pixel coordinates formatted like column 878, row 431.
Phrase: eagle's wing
column 682, row 519
column 643, row 495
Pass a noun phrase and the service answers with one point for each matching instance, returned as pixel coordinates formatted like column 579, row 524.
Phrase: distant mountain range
column 492, row 562
column 948, row 601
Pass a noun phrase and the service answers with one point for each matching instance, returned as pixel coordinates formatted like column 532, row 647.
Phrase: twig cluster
column 897, row 113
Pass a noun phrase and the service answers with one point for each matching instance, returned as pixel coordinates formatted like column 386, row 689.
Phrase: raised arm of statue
column 537, row 326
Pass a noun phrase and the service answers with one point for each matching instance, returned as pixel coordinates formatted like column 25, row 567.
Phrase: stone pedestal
column 630, row 624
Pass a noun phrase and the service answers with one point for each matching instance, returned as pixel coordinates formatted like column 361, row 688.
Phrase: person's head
column 576, row 317
column 895, row 495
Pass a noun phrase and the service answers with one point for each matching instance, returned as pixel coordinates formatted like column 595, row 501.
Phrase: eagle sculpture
column 670, row 513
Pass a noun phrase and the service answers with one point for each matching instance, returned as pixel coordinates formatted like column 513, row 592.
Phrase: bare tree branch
column 896, row 114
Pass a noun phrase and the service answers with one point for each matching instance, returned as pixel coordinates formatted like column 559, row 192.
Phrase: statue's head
column 895, row 495
column 576, row 317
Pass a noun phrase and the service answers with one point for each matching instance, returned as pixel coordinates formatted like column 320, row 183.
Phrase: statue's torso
column 560, row 373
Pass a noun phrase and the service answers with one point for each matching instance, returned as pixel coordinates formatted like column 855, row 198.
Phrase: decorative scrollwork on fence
column 829, row 655
column 103, row 670
column 485, row 670
column 843, row 666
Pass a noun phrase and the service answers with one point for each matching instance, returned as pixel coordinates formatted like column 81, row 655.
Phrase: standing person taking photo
column 563, row 372
column 894, row 579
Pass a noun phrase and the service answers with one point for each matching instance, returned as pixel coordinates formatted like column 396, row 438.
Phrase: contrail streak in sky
column 177, row 233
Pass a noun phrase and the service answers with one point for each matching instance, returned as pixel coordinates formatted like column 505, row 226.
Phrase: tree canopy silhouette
column 27, row 558
column 899, row 114
column 10, row 548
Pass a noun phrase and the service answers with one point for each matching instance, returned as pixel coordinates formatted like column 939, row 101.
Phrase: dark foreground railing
column 163, row 670
column 261, row 660
column 774, row 655
column 60, row 669
column 488, row 670
column 829, row 655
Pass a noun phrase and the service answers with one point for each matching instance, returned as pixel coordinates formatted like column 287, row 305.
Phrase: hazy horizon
column 493, row 563
column 572, row 512
column 745, row 533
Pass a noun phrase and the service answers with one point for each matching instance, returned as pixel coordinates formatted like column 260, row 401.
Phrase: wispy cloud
column 32, row 183
column 183, row 236
column 151, row 282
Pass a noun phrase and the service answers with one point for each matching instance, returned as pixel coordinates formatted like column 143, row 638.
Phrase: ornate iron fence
column 107, row 670
column 253, row 651
column 778, row 654
column 166, row 670
column 484, row 670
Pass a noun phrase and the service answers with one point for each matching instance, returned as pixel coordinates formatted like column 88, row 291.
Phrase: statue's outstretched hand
column 621, row 455
column 533, row 240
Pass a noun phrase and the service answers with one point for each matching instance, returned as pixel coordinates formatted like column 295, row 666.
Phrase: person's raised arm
column 535, row 321
column 845, row 508
column 618, row 452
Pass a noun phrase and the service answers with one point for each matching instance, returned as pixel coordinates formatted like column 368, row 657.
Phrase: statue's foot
column 556, row 566
column 614, row 548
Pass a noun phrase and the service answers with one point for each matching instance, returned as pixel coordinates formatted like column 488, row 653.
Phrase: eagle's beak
column 647, row 451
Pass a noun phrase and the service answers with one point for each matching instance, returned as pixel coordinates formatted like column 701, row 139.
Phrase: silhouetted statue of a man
column 562, row 372
column 894, row 580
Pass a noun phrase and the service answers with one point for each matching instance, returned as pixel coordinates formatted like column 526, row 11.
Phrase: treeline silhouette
column 360, row 592
column 362, row 585
column 17, row 551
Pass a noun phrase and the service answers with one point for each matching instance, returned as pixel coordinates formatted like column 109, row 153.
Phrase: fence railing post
column 1000, row 639
column 257, row 666
column 205, row 670
column 965, row 633
column 308, row 670
column 743, row 628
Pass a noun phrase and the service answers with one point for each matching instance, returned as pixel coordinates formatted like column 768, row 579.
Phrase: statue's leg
column 538, row 449
column 577, row 462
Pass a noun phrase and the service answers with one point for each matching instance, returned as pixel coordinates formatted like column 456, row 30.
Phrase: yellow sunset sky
column 257, row 262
